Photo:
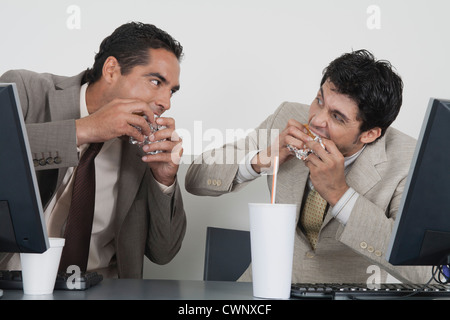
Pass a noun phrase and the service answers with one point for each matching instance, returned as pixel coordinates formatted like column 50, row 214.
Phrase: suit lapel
column 363, row 174
column 131, row 174
column 292, row 178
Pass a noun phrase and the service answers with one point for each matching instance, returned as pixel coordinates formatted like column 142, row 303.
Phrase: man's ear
column 370, row 135
column 111, row 69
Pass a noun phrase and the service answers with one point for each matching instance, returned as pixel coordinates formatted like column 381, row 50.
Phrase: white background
column 242, row 59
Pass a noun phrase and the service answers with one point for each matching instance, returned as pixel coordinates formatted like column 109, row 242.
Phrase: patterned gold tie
column 312, row 216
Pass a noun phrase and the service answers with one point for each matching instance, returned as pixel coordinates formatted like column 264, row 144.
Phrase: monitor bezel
column 435, row 244
column 31, row 222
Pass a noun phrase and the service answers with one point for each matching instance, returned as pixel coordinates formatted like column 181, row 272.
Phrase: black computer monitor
column 421, row 234
column 22, row 226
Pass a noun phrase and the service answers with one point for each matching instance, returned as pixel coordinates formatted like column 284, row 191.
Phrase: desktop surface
column 137, row 289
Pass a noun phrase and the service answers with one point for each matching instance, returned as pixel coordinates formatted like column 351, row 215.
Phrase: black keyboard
column 12, row 280
column 362, row 291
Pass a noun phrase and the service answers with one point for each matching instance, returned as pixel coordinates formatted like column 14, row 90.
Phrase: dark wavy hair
column 129, row 44
column 373, row 84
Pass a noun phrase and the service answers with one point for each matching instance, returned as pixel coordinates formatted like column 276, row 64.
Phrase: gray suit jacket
column 343, row 253
column 147, row 221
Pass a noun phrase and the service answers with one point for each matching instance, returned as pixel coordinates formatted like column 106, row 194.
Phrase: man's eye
column 155, row 82
column 319, row 101
column 338, row 117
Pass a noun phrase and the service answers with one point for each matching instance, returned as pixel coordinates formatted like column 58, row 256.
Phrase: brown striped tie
column 81, row 213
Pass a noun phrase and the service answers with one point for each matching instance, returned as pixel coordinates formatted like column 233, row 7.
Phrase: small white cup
column 272, row 230
column 39, row 270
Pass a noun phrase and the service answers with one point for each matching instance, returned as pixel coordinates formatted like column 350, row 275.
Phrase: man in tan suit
column 138, row 205
column 358, row 167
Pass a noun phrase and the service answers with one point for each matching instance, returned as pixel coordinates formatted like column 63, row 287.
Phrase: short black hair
column 373, row 84
column 129, row 44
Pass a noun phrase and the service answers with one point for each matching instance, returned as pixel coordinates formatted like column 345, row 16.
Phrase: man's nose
column 163, row 99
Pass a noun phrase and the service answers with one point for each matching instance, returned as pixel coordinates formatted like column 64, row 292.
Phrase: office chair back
column 227, row 254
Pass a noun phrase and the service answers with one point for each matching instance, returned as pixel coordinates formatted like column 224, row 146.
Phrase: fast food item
column 302, row 154
column 310, row 133
column 153, row 129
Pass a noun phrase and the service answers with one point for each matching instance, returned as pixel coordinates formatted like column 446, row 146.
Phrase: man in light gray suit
column 138, row 205
column 358, row 167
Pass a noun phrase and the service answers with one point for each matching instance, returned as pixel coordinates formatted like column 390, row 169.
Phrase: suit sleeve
column 47, row 138
column 167, row 222
column 213, row 172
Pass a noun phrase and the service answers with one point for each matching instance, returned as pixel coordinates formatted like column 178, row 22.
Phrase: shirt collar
column 349, row 160
column 83, row 106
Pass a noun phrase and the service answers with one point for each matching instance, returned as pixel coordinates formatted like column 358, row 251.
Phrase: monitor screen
column 421, row 234
column 22, row 227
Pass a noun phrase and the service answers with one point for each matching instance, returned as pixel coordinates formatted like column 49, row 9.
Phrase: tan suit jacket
column 147, row 221
column 343, row 253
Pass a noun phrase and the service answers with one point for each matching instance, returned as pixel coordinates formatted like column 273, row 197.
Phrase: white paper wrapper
column 146, row 138
column 302, row 154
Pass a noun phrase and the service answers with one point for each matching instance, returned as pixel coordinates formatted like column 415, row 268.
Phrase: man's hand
column 164, row 165
column 113, row 120
column 295, row 134
column 326, row 168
